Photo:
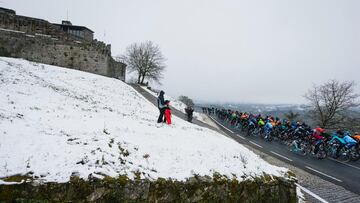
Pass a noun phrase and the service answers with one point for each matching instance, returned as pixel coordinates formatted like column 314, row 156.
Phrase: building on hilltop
column 64, row 44
column 80, row 32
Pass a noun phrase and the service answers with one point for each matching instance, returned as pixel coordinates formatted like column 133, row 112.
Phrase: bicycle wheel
column 344, row 155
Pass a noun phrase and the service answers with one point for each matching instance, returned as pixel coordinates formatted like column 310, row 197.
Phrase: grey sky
column 264, row 51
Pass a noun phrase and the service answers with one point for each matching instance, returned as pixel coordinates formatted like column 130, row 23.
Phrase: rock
column 96, row 195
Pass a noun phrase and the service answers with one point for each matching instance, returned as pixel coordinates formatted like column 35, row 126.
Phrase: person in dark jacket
column 189, row 113
column 161, row 106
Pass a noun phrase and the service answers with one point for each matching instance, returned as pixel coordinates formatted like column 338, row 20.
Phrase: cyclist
column 317, row 138
column 268, row 128
column 356, row 137
column 261, row 123
column 251, row 126
column 349, row 140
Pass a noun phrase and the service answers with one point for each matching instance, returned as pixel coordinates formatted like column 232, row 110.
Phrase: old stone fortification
column 195, row 189
column 38, row 40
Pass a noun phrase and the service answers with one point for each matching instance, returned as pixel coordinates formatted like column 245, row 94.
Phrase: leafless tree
column 291, row 116
column 186, row 100
column 330, row 101
column 146, row 60
column 352, row 123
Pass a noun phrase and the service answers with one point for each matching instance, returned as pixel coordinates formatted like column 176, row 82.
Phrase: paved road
column 326, row 178
column 346, row 175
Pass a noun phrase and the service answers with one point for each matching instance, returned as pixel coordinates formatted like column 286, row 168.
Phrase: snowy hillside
column 175, row 103
column 55, row 122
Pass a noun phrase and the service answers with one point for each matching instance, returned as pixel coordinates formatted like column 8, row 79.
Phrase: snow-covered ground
column 177, row 104
column 55, row 122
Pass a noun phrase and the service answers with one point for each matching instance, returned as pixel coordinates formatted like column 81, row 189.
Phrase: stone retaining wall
column 195, row 189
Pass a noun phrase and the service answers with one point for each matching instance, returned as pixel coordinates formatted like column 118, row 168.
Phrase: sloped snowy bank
column 175, row 103
column 55, row 122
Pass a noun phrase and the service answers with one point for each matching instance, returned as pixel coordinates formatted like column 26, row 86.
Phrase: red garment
column 317, row 136
column 320, row 130
column 168, row 115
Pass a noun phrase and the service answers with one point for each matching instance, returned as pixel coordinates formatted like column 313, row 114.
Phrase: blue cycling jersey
column 268, row 126
column 349, row 140
column 339, row 139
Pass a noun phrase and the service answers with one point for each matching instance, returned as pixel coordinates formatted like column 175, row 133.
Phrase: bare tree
column 330, row 101
column 146, row 60
column 291, row 116
column 186, row 100
column 352, row 123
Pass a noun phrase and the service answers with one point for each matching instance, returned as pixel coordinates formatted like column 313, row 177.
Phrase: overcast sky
column 263, row 51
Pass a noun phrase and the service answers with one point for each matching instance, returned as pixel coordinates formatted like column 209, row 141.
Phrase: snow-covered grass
column 177, row 104
column 55, row 122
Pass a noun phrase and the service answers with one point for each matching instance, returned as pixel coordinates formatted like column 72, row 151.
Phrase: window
column 77, row 33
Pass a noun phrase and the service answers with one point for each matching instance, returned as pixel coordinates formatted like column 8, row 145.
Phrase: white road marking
column 284, row 157
column 311, row 193
column 255, row 144
column 301, row 187
column 241, row 136
column 324, row 174
column 228, row 129
column 345, row 163
column 222, row 125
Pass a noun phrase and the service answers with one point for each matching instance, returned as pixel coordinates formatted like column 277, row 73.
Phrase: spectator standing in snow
column 189, row 113
column 161, row 106
column 167, row 112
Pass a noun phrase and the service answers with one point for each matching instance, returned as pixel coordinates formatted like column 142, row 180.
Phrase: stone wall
column 94, row 57
column 30, row 25
column 40, row 41
column 195, row 189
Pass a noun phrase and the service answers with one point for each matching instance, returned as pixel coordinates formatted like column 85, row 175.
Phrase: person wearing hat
column 317, row 138
column 189, row 113
column 161, row 106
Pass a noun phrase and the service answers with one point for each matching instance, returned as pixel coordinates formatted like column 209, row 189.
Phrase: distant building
column 80, row 32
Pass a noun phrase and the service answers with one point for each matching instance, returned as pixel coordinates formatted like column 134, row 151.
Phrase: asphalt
column 345, row 174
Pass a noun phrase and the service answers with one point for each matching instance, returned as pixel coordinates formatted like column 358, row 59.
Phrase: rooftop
column 68, row 24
